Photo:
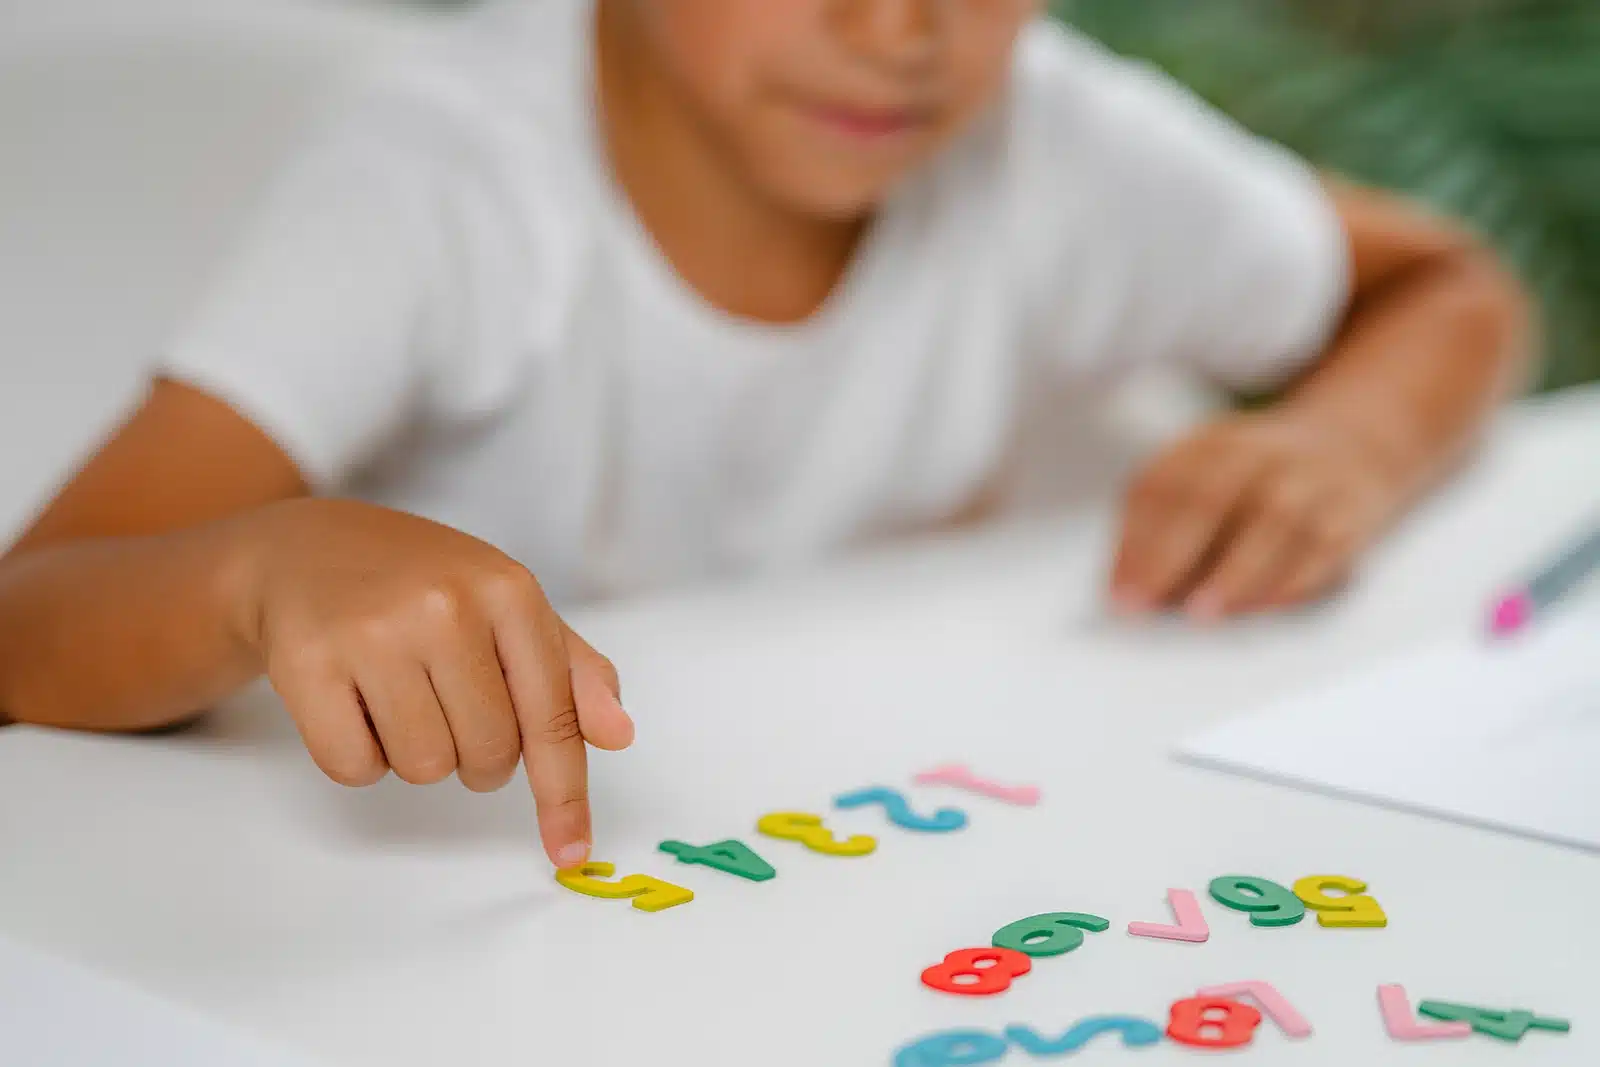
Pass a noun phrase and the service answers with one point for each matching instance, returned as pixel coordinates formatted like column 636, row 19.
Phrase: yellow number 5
column 649, row 894
column 1354, row 908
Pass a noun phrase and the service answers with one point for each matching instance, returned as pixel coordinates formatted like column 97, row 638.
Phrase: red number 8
column 998, row 967
column 1211, row 1022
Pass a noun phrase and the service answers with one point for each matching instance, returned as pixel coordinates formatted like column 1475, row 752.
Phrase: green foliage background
column 1487, row 109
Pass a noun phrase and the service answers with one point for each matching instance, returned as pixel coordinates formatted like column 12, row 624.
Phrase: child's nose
column 898, row 35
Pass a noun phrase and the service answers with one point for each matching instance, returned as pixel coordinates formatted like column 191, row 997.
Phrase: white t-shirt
column 448, row 307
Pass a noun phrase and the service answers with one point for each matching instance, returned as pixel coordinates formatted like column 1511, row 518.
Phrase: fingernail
column 573, row 854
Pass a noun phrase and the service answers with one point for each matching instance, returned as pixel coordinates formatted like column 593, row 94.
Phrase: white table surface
column 397, row 926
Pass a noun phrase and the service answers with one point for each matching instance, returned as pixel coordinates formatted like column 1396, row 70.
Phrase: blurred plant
column 1487, row 109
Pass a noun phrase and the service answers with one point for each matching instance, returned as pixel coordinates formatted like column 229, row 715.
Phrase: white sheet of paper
column 56, row 1014
column 1502, row 734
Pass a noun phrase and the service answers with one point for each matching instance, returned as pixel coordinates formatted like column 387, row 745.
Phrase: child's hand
column 1253, row 512
column 400, row 643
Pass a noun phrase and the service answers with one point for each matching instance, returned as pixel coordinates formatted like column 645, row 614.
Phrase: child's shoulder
column 1067, row 75
column 1123, row 126
column 505, row 73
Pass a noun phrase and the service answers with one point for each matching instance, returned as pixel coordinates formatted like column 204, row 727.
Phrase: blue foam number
column 899, row 811
column 953, row 1048
column 1135, row 1033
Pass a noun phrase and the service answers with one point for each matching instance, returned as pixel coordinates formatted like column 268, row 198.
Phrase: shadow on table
column 391, row 815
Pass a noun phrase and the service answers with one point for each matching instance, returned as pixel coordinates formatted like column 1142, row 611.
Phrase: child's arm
column 1264, row 510
column 185, row 560
column 113, row 614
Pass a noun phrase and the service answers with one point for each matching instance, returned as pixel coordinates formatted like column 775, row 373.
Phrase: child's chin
column 832, row 193
column 816, row 171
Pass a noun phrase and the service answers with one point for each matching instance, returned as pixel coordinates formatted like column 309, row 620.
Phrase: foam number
column 959, row 776
column 977, row 972
column 1506, row 1025
column 1402, row 1026
column 1268, row 903
column 1273, row 1004
column 899, row 811
column 732, row 857
column 1352, row 908
column 1191, row 925
column 953, row 1048
column 1213, row 1022
column 649, row 894
column 1050, row 934
column 1136, row 1033
column 809, row 831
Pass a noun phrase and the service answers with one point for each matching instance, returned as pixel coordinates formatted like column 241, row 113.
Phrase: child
column 616, row 292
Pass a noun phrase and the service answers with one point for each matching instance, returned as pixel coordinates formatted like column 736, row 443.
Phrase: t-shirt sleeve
column 1155, row 230
column 315, row 329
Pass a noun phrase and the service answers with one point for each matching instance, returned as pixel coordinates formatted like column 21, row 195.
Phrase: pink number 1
column 1403, row 1025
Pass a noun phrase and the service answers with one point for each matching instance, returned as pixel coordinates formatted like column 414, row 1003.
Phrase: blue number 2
column 1135, row 1032
column 894, row 804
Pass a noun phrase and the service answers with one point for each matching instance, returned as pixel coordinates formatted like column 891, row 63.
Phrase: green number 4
column 734, row 857
column 1506, row 1025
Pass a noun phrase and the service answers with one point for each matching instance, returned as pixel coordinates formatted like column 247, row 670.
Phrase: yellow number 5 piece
column 1352, row 908
column 649, row 894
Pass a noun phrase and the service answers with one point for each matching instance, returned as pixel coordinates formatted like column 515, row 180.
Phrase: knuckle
column 1209, row 498
column 493, row 754
column 558, row 803
column 1211, row 493
column 379, row 631
column 353, row 772
column 1331, row 531
column 477, row 781
column 512, row 584
column 1285, row 504
column 443, row 606
column 302, row 660
column 1325, row 529
column 426, row 769
column 562, row 727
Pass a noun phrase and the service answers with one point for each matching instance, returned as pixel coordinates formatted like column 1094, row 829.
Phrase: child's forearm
column 122, row 633
column 1423, row 358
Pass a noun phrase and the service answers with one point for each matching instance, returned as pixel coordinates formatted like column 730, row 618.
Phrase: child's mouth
column 867, row 125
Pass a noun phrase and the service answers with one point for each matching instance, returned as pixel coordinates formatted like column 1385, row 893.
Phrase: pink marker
column 1273, row 1005
column 1569, row 570
column 957, row 775
column 1402, row 1023
column 1191, row 925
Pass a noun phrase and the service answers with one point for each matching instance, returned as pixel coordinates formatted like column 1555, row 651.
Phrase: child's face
column 824, row 104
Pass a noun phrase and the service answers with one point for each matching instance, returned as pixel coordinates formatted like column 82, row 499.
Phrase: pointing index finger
column 529, row 639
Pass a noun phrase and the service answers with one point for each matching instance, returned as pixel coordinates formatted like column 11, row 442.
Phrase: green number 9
column 1268, row 903
column 1050, row 934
